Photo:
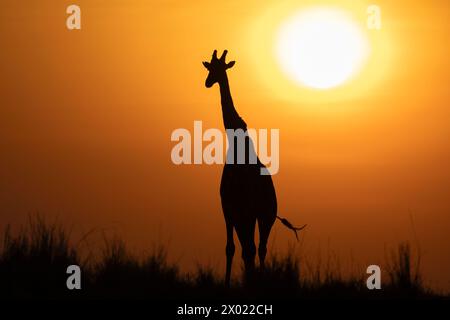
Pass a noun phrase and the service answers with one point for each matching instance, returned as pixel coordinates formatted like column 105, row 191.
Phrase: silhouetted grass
column 33, row 265
column 404, row 278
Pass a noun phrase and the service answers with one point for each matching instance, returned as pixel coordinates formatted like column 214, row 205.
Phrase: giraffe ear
column 230, row 64
column 206, row 64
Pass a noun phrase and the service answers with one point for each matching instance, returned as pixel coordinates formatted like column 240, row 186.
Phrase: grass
column 33, row 265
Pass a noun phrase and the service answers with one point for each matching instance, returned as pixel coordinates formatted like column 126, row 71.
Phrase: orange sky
column 86, row 118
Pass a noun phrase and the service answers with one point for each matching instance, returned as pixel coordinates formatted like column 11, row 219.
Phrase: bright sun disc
column 321, row 48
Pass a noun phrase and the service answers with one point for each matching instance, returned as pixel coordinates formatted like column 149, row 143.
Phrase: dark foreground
column 33, row 264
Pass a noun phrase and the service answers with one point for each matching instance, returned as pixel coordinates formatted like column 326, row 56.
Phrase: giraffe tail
column 290, row 226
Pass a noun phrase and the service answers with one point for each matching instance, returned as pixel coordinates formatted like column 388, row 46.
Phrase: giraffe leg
column 248, row 255
column 230, row 248
column 246, row 234
column 264, row 231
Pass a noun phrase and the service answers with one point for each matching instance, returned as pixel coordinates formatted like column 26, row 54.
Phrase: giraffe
column 247, row 196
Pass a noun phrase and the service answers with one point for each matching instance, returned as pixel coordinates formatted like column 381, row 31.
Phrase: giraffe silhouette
column 247, row 196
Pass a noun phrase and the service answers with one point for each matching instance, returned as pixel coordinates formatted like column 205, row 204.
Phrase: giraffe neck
column 231, row 118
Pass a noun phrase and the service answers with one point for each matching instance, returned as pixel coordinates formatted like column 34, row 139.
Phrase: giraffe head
column 217, row 68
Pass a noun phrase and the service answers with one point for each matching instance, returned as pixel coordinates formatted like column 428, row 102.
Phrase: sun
column 321, row 48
